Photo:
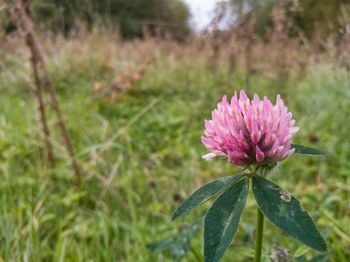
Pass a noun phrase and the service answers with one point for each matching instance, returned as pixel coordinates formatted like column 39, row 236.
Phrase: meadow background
column 135, row 83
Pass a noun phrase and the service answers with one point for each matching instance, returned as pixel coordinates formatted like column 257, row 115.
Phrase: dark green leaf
column 303, row 150
column 284, row 211
column 204, row 193
column 221, row 221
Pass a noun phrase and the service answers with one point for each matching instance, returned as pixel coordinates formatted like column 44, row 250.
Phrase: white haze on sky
column 202, row 12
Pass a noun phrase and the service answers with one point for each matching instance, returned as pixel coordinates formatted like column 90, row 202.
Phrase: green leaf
column 204, row 193
column 284, row 211
column 303, row 150
column 221, row 221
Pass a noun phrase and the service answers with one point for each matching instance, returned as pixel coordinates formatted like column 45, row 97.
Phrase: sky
column 201, row 11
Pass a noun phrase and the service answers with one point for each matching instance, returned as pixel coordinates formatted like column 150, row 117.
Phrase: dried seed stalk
column 23, row 16
column 38, row 92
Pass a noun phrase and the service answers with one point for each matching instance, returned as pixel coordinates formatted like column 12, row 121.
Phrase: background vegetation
column 135, row 112
column 310, row 17
column 129, row 17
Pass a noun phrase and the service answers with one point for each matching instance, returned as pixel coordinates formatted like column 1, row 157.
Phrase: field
column 140, row 150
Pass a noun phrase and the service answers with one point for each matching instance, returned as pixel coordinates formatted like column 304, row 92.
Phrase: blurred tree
column 168, row 15
column 308, row 16
column 318, row 17
column 129, row 16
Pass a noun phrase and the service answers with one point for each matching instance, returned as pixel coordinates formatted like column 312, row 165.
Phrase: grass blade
column 304, row 150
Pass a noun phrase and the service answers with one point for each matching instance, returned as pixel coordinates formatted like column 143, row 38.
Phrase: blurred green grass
column 142, row 154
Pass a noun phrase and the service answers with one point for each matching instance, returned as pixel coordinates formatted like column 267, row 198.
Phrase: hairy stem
column 259, row 235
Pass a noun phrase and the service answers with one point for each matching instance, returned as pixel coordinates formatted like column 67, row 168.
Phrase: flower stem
column 259, row 235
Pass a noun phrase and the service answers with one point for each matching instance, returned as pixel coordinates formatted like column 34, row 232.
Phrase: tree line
column 131, row 17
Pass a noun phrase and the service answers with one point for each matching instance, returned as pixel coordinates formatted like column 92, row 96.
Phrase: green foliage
column 312, row 17
column 284, row 211
column 152, row 151
column 222, row 219
column 303, row 150
column 128, row 16
column 322, row 17
column 179, row 244
column 204, row 193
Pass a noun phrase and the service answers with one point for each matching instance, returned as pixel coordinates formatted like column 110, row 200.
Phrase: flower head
column 249, row 132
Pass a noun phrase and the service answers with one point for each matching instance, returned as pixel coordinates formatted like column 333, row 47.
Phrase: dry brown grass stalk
column 22, row 13
column 34, row 60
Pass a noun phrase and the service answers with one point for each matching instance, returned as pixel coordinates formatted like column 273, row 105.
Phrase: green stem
column 259, row 235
